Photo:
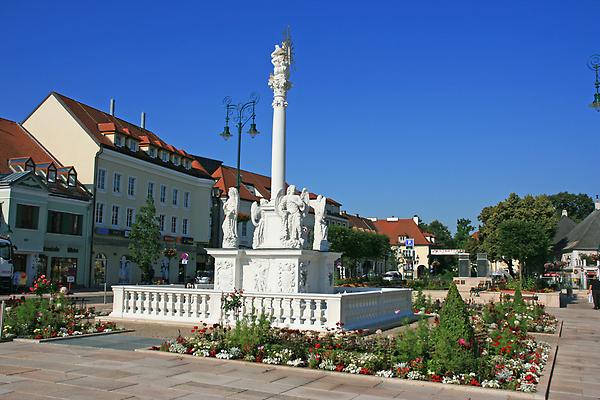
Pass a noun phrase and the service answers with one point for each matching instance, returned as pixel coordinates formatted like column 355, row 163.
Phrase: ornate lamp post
column 242, row 113
column 594, row 65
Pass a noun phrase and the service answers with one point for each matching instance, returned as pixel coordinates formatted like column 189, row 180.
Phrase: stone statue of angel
column 230, row 211
column 291, row 207
column 321, row 230
column 258, row 220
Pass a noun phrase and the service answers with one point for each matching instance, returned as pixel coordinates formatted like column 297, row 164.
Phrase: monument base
column 274, row 270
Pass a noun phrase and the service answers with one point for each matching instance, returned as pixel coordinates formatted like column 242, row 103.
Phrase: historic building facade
column 45, row 210
column 124, row 165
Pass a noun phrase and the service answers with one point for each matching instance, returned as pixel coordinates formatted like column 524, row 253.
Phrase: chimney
column 143, row 121
column 416, row 219
column 112, row 107
column 564, row 213
column 597, row 203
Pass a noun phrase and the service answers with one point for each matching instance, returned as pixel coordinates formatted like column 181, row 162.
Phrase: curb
column 543, row 387
column 54, row 339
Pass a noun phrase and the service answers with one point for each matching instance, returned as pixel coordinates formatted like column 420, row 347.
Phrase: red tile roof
column 227, row 177
column 360, row 223
column 402, row 227
column 99, row 123
column 16, row 142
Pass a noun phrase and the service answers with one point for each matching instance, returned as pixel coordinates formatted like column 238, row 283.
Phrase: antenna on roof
column 143, row 121
column 112, row 107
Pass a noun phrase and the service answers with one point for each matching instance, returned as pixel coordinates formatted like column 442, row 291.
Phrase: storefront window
column 62, row 269
column 20, row 270
column 100, row 269
column 41, row 267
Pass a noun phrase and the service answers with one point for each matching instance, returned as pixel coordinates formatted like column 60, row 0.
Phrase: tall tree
column 357, row 246
column 538, row 210
column 463, row 232
column 525, row 241
column 443, row 237
column 144, row 240
column 578, row 206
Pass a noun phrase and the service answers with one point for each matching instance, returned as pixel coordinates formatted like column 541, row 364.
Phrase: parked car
column 391, row 276
column 205, row 277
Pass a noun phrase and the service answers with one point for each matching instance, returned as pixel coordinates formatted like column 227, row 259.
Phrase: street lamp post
column 242, row 113
column 594, row 65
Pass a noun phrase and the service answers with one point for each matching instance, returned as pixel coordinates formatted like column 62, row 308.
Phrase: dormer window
column 30, row 165
column 176, row 160
column 51, row 175
column 152, row 152
column 165, row 156
column 118, row 140
column 72, row 179
column 132, row 144
column 187, row 163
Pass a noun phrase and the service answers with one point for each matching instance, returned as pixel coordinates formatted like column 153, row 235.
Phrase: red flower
column 436, row 378
column 364, row 371
column 317, row 346
column 474, row 382
column 339, row 367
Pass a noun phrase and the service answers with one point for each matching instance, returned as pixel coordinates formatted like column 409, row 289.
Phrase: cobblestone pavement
column 66, row 371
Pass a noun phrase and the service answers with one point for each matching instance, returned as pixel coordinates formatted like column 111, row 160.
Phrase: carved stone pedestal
column 274, row 270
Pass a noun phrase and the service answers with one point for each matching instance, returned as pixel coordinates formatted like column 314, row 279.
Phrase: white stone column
column 278, row 147
column 279, row 82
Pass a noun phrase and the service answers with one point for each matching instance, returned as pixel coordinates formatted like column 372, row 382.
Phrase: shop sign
column 72, row 250
column 51, row 248
column 184, row 258
column 110, row 232
column 70, row 279
column 447, row 252
column 168, row 238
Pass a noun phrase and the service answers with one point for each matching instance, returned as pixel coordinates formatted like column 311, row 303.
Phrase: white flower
column 385, row 373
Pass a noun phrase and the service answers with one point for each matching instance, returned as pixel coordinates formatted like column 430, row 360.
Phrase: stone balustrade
column 307, row 311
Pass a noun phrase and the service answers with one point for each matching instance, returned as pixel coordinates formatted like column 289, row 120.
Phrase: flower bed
column 42, row 318
column 457, row 349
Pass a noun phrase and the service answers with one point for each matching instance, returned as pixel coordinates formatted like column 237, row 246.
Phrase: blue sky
column 398, row 108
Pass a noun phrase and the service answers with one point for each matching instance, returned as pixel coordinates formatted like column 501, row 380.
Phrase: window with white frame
column 161, row 222
column 175, row 197
column 131, row 187
column 133, row 145
column 117, row 183
column 184, row 226
column 101, row 179
column 115, row 215
column 173, row 224
column 99, row 213
column 163, row 194
column 186, row 199
column 152, row 152
column 130, row 217
column 118, row 140
column 151, row 190
column 165, row 156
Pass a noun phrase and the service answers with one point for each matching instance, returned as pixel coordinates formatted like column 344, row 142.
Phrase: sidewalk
column 66, row 371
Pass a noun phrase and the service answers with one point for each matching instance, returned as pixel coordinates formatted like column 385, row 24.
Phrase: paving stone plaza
column 107, row 368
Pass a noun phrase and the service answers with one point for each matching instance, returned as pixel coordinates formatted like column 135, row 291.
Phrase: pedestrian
column 594, row 290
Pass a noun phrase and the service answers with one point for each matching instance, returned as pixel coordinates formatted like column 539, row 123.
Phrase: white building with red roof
column 410, row 244
column 45, row 210
column 124, row 164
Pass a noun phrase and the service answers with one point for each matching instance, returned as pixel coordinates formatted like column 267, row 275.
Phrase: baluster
column 177, row 310
column 147, row 299
column 205, row 304
column 319, row 313
column 155, row 303
column 188, row 305
column 170, row 304
column 290, row 309
column 301, row 305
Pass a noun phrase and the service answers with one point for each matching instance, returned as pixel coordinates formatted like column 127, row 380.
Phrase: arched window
column 100, row 269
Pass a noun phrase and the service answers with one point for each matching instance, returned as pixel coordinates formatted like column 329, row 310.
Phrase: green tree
column 454, row 339
column 463, row 232
column 144, row 240
column 578, row 206
column 525, row 241
column 357, row 246
column 443, row 237
column 535, row 209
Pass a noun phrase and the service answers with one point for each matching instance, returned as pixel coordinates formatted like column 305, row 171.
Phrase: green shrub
column 413, row 343
column 249, row 333
column 454, row 339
